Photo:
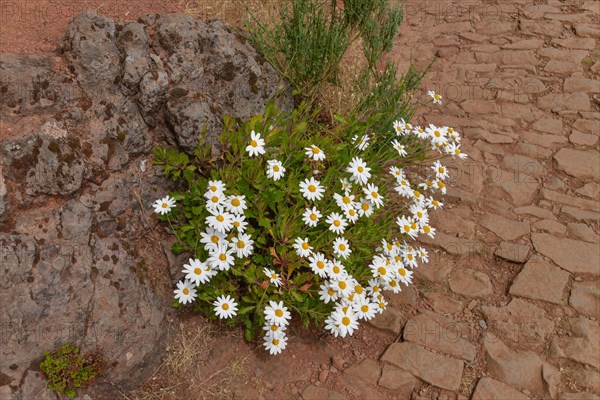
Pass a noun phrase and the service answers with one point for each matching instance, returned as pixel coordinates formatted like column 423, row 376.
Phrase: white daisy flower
column 392, row 285
column 274, row 278
column 372, row 193
column 332, row 326
column 336, row 270
column 403, row 188
column 311, row 216
column 274, row 345
column 185, row 292
column 346, row 322
column 256, row 146
column 344, row 202
column 351, row 214
column 441, row 172
column 337, row 223
column 214, row 201
column 274, row 330
column 359, row 170
column 164, row 205
column 214, row 188
column 404, row 275
column 221, row 258
column 400, row 148
column 315, row 153
column 225, row 307
column 396, row 172
column 401, row 127
column 407, row 226
column 365, row 308
column 239, row 221
column 381, row 304
column 344, row 286
column 435, row 134
column 211, row 238
column 419, row 213
column 374, row 287
column 242, row 245
column 311, row 189
column 277, row 313
column 341, row 248
column 303, row 249
column 275, row 170
column 361, row 144
column 221, row 220
column 422, row 253
column 346, row 185
column 437, row 99
column 426, row 185
column 410, row 258
column 440, row 185
column 430, row 202
column 327, row 293
column 454, row 150
column 428, row 230
column 318, row 264
column 235, row 204
column 419, row 132
column 380, row 268
column 366, row 208
column 197, row 272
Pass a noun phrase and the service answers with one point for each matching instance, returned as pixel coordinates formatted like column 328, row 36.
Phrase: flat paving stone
column 539, row 280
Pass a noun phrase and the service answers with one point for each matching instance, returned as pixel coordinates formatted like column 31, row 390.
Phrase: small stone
column 472, row 304
column 471, row 283
column 488, row 388
column 585, row 298
column 505, row 228
column 338, row 362
column 582, row 164
column 323, row 376
column 515, row 252
column 367, row 370
column 482, row 324
column 396, row 379
column 440, row 371
column 572, row 255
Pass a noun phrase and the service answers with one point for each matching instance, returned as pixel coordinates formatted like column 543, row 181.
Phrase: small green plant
column 66, row 369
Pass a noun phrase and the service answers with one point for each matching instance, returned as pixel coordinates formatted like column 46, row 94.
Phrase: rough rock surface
column 78, row 165
column 488, row 388
column 540, row 280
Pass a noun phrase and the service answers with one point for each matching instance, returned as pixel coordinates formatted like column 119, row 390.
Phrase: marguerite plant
column 290, row 222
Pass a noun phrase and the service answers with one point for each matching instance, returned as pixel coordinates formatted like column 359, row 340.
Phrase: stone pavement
column 511, row 300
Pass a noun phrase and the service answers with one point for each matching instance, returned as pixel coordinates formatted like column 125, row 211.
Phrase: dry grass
column 233, row 12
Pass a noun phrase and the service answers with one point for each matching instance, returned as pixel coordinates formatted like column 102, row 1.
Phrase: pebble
column 578, row 279
column 294, row 390
column 338, row 362
column 473, row 304
column 482, row 324
column 323, row 375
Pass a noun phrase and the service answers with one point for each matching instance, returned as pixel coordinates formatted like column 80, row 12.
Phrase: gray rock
column 3, row 197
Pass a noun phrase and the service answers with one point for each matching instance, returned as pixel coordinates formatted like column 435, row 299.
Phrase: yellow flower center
column 358, row 289
column 274, row 276
column 274, row 328
column 320, row 264
column 435, row 203
column 441, row 184
column 313, row 217
column 457, row 151
column 364, row 308
column 330, row 292
column 346, row 200
column 382, row 271
column 426, row 229
column 197, row 271
column 437, row 134
column 375, row 288
column 382, row 305
column 402, row 271
column 236, row 224
column 393, row 283
column 235, row 202
column 214, row 199
column 279, row 313
column 342, row 285
column 360, row 170
column 213, row 188
column 220, row 218
column 276, row 342
column 223, row 257
column 315, row 150
column 437, row 96
column 276, row 168
column 413, row 225
column 225, row 306
column 410, row 256
column 336, row 269
column 186, row 291
column 253, row 143
column 336, row 222
column 419, row 214
column 312, row 188
column 241, row 244
column 406, row 228
column 374, row 194
column 346, row 321
column 441, row 170
column 417, row 194
column 165, row 205
column 351, row 212
column 365, row 206
column 305, row 246
column 342, row 247
column 214, row 239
